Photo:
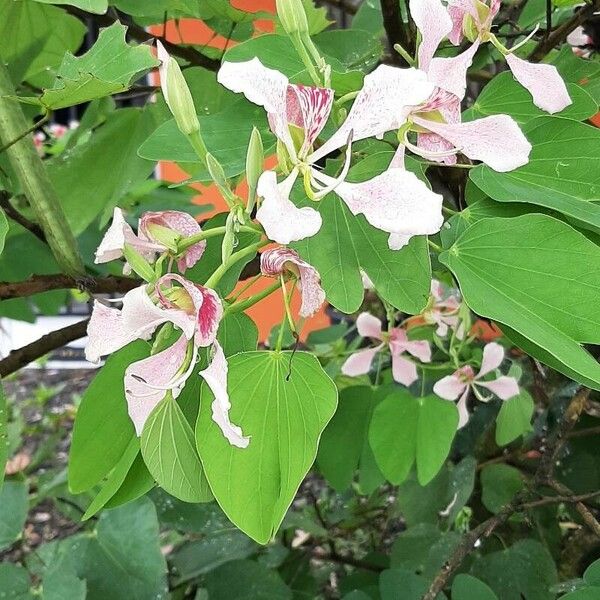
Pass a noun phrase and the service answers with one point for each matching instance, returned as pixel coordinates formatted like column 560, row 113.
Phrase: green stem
column 405, row 55
column 432, row 163
column 33, row 178
column 304, row 56
column 252, row 300
column 437, row 248
column 245, row 287
column 346, row 98
column 185, row 243
column 235, row 257
column 449, row 211
column 26, row 132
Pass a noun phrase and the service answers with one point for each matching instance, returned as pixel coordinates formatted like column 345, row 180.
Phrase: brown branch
column 17, row 217
column 394, row 29
column 141, row 35
column 27, row 354
column 560, row 34
column 45, row 283
column 566, row 499
column 543, row 476
column 584, row 512
column 345, row 560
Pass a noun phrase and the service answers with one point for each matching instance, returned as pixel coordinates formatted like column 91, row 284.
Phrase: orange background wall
column 269, row 311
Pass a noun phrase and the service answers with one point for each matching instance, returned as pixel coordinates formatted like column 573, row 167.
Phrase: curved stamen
column 429, row 153
column 323, row 191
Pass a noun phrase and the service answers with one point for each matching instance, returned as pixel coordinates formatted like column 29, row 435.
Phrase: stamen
column 429, row 153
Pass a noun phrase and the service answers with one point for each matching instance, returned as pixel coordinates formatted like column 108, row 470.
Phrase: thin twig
column 566, row 499
column 584, row 512
column 17, row 217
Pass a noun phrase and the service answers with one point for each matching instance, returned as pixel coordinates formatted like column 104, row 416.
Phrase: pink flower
column 544, row 83
column 396, row 201
column 193, row 309
column 279, row 261
column 442, row 311
column 464, row 379
column 404, row 371
column 158, row 232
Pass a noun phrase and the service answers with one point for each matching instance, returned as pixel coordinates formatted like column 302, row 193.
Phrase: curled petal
column 382, row 105
column 106, row 332
column 396, row 201
column 450, row 73
column 504, row 387
column 449, row 387
column 493, row 355
column 463, row 411
column 180, row 222
column 263, row 86
column 497, row 140
column 433, row 143
column 369, row 326
column 216, row 379
column 434, row 23
column 404, row 371
column 457, row 16
column 282, row 220
column 543, row 82
column 278, row 260
column 148, row 380
column 360, row 362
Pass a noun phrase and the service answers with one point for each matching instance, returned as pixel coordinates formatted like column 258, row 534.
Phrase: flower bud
column 229, row 238
column 254, row 165
column 292, row 16
column 176, row 93
column 138, row 263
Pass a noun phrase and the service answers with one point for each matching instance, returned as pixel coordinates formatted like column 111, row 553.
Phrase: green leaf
column 3, row 433
column 13, row 512
column 499, row 484
column 14, row 582
column 592, row 573
column 3, row 229
column 466, row 587
column 401, row 584
column 109, row 162
column 59, row 585
column 246, row 579
column 344, row 446
column 237, row 333
column 98, row 7
column 588, row 593
column 505, row 95
column 284, row 417
column 562, row 172
column 537, row 275
column 225, row 134
column 169, row 452
column 405, row 430
column 525, row 570
column 110, row 66
column 103, row 430
column 514, row 418
column 137, row 482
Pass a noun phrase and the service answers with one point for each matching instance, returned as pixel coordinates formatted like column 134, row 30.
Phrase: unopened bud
column 138, row 263
column 254, row 165
column 177, row 93
column 218, row 176
column 293, row 17
column 229, row 238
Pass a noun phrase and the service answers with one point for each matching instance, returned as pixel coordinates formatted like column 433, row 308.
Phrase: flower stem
column 235, row 257
column 252, row 300
column 435, row 246
column 185, row 243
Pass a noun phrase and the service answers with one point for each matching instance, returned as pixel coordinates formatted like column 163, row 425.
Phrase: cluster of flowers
column 423, row 100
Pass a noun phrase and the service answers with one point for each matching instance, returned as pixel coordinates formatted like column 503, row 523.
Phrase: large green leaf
column 237, row 333
column 109, row 162
column 13, row 511
column 3, row 229
column 504, row 95
column 540, row 277
column 499, row 483
column 103, row 430
column 284, row 417
column 405, row 430
column 563, row 172
column 466, row 587
column 170, row 454
column 401, row 584
column 225, row 133
column 3, row 433
column 98, row 7
column 14, row 582
column 110, row 66
column 514, row 418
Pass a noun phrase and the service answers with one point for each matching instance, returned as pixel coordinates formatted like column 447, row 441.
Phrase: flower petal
column 404, row 371
column 420, row 349
column 397, row 241
column 434, row 143
column 497, row 140
column 493, row 355
column 450, row 73
column 148, row 380
column 180, row 222
column 543, row 82
column 434, row 23
column 449, row 387
column 360, row 362
column 504, row 387
column 263, row 86
column 282, row 220
column 396, row 201
column 216, row 379
column 463, row 411
column 277, row 260
column 369, row 326
column 387, row 96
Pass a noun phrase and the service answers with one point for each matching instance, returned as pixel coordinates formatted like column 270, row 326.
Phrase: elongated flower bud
column 254, row 165
column 292, row 16
column 176, row 92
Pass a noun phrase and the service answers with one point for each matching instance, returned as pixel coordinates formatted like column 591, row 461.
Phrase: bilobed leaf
column 563, row 172
column 13, row 512
column 103, row 430
column 466, row 587
column 504, row 95
column 514, row 418
column 98, row 7
column 538, row 276
column 169, row 452
column 284, row 417
column 405, row 430
column 110, row 66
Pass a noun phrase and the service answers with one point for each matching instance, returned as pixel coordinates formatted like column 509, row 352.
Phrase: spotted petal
column 497, row 140
column 434, row 23
column 450, row 73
